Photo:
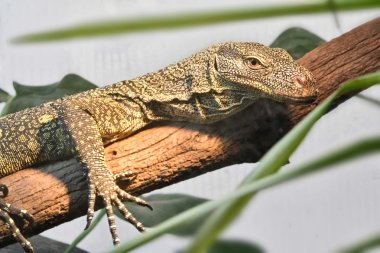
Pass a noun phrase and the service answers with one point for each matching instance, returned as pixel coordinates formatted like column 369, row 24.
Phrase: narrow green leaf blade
column 365, row 245
column 188, row 20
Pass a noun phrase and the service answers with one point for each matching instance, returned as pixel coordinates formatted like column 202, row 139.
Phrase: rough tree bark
column 170, row 152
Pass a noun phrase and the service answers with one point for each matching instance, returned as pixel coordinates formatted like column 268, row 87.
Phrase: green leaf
column 151, row 23
column 228, row 246
column 166, row 206
column 234, row 246
column 249, row 188
column 41, row 244
column 29, row 96
column 365, row 245
column 297, row 41
column 4, row 96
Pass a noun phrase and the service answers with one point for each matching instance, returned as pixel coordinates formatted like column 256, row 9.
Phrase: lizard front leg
column 83, row 133
column 6, row 210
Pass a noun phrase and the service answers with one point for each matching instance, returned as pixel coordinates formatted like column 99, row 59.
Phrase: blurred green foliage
column 234, row 246
column 4, row 96
column 367, row 245
column 297, row 41
column 166, row 206
column 29, row 96
column 174, row 21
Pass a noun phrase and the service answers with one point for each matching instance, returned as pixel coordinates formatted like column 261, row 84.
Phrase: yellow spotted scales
column 206, row 87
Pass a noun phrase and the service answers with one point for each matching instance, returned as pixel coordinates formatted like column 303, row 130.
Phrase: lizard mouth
column 301, row 100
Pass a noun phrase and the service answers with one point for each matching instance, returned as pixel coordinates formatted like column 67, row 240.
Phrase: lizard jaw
column 299, row 100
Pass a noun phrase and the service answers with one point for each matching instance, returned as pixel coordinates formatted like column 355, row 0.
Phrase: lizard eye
column 254, row 63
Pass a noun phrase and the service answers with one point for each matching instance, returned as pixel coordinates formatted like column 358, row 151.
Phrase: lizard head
column 260, row 71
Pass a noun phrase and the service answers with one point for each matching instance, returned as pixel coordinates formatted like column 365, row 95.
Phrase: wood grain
column 170, row 152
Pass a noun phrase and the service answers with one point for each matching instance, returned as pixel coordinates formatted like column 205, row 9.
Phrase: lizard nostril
column 299, row 81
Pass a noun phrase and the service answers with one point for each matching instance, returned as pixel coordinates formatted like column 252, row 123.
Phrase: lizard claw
column 91, row 205
column 4, row 190
column 111, row 221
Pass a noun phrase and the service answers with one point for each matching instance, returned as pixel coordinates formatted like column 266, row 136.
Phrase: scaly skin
column 206, row 87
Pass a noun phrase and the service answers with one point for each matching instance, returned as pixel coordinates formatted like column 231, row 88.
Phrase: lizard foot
column 5, row 211
column 112, row 195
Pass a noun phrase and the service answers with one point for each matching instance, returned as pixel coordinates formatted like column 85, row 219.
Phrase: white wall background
column 320, row 213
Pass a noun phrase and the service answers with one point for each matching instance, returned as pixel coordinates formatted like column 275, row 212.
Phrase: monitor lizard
column 203, row 88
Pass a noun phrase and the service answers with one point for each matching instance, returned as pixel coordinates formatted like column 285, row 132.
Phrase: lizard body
column 204, row 88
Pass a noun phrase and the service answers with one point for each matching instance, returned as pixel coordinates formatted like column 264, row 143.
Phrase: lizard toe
column 23, row 214
column 111, row 220
column 91, row 205
column 128, row 215
column 126, row 196
column 5, row 210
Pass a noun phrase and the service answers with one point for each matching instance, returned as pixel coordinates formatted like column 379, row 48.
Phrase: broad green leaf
column 251, row 186
column 174, row 21
column 229, row 246
column 29, row 96
column 166, row 206
column 4, row 96
column 297, row 41
column 41, row 244
column 234, row 246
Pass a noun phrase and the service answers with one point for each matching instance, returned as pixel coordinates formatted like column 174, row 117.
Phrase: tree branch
column 170, row 152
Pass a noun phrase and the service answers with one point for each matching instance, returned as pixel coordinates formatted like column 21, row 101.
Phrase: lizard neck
column 175, row 82
column 179, row 81
column 187, row 91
